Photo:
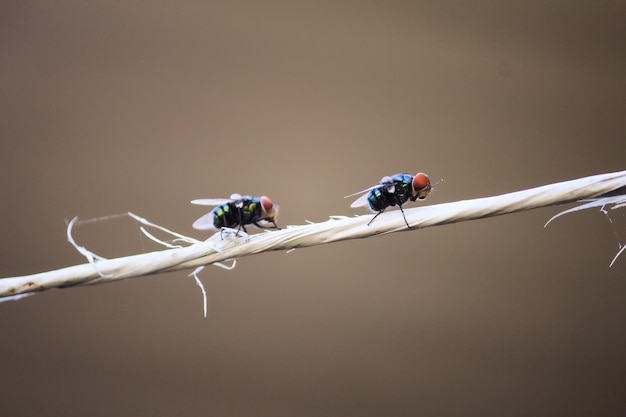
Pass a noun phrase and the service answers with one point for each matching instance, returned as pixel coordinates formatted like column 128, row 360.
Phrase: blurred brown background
column 144, row 105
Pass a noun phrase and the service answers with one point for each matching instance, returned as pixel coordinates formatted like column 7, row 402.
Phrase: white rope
column 225, row 246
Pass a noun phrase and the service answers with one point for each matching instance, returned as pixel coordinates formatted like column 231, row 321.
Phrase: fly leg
column 236, row 234
column 376, row 215
column 239, row 227
column 240, row 220
column 403, row 216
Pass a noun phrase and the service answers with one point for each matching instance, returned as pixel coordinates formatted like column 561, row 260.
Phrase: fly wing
column 204, row 223
column 363, row 191
column 210, row 201
column 362, row 200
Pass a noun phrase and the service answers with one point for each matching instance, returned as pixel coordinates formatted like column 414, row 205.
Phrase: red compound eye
column 421, row 181
column 267, row 204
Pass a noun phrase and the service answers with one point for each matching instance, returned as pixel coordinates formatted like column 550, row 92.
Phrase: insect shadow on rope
column 237, row 212
column 394, row 191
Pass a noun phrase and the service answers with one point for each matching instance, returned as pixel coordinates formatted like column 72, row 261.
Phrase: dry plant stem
column 336, row 229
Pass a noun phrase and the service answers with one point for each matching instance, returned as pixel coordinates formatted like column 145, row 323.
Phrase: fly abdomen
column 225, row 216
column 379, row 200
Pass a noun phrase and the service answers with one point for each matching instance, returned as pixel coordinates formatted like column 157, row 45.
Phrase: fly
column 394, row 191
column 237, row 212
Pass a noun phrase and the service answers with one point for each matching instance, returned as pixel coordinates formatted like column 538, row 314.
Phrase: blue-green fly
column 394, row 191
column 237, row 212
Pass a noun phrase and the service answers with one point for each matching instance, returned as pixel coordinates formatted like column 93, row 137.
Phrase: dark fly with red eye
column 237, row 212
column 394, row 191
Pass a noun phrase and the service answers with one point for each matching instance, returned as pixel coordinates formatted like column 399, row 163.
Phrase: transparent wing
column 204, row 223
column 363, row 191
column 361, row 201
column 210, row 201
